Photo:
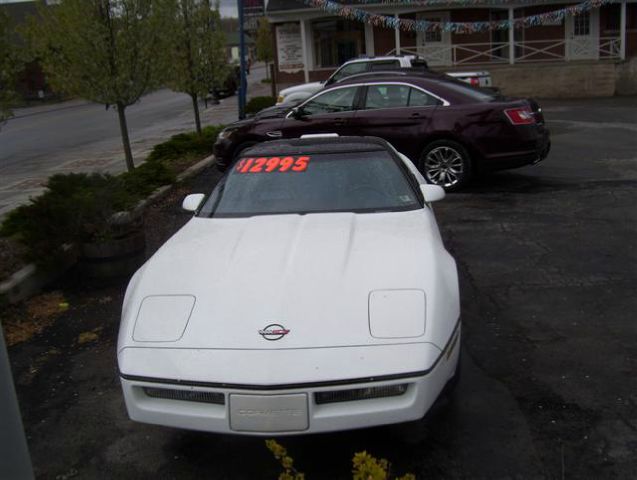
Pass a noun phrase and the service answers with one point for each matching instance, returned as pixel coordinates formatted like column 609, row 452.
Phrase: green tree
column 197, row 50
column 9, row 68
column 106, row 51
column 265, row 49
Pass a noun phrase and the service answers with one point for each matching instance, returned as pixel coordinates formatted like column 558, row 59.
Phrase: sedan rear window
column 468, row 91
column 360, row 182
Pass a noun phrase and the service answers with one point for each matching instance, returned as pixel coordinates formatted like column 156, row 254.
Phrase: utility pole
column 15, row 461
column 242, row 63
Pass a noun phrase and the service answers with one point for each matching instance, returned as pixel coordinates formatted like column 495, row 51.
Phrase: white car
column 298, row 93
column 310, row 292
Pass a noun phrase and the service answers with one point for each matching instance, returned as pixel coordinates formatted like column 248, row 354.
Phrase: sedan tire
column 446, row 163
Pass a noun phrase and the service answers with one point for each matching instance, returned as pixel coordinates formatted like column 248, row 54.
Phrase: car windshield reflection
column 363, row 182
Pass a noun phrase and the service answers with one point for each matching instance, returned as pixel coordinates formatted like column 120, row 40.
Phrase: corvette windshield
column 352, row 182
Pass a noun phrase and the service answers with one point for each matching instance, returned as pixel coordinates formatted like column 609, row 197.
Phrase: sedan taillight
column 520, row 116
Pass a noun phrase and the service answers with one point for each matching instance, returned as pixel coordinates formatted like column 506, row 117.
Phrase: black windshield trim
column 310, row 212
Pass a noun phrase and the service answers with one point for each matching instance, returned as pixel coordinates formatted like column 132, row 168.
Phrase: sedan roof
column 399, row 72
column 440, row 84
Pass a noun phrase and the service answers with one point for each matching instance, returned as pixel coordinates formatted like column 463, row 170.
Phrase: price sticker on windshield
column 272, row 164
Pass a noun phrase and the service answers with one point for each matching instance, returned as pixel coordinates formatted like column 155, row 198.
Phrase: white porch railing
column 558, row 50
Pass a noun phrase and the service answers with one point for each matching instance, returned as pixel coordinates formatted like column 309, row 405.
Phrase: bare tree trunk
column 195, row 107
column 130, row 165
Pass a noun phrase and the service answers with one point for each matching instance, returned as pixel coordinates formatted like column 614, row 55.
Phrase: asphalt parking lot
column 548, row 266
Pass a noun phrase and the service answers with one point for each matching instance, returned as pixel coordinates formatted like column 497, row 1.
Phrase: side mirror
column 297, row 112
column 191, row 202
column 432, row 193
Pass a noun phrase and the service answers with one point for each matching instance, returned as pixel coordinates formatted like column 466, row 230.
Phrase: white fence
column 559, row 50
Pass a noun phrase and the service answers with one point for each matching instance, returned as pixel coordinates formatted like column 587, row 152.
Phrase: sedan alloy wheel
column 446, row 163
column 444, row 166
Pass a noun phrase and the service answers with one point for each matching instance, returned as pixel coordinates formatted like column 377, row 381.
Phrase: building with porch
column 590, row 53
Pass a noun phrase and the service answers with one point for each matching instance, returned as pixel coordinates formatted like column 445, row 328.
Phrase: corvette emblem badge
column 274, row 331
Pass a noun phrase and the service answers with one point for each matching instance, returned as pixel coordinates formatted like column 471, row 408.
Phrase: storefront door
column 582, row 36
column 435, row 45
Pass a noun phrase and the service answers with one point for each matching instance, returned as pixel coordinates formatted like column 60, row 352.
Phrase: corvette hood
column 227, row 279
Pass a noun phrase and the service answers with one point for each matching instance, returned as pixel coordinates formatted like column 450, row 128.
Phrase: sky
column 228, row 8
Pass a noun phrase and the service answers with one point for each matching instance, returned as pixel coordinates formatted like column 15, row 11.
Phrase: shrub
column 78, row 207
column 257, row 104
column 364, row 465
column 146, row 178
column 75, row 208
column 186, row 144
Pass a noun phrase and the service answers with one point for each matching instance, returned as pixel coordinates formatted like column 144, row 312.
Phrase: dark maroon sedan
column 447, row 128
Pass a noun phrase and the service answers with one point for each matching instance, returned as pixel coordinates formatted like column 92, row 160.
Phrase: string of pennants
column 410, row 25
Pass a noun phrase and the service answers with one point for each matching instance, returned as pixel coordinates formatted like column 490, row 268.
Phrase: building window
column 336, row 41
column 582, row 24
column 433, row 35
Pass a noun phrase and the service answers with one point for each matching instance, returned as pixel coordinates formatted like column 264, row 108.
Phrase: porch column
column 369, row 40
column 397, row 35
column 622, row 31
column 511, row 36
column 306, row 69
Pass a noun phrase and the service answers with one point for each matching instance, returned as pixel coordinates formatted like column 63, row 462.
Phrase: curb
column 29, row 281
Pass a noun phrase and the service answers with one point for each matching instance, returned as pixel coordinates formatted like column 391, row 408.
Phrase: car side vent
column 186, row 395
column 335, row 396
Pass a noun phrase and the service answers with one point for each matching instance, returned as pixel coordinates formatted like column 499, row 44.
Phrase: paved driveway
column 548, row 269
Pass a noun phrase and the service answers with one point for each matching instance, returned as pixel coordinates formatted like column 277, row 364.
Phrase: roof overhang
column 307, row 13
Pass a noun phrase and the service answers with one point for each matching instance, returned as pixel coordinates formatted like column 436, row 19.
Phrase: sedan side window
column 386, row 96
column 339, row 100
column 418, row 98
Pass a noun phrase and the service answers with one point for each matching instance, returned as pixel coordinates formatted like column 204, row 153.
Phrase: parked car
column 296, row 94
column 447, row 128
column 229, row 85
column 311, row 292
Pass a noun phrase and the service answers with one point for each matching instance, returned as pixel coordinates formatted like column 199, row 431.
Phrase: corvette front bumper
column 307, row 408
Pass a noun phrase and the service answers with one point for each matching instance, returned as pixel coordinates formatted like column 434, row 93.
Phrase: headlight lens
column 280, row 99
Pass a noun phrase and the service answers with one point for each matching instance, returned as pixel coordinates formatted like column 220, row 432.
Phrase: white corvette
column 311, row 292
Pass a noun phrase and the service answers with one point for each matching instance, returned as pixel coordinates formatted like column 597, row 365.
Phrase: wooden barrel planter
column 113, row 258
